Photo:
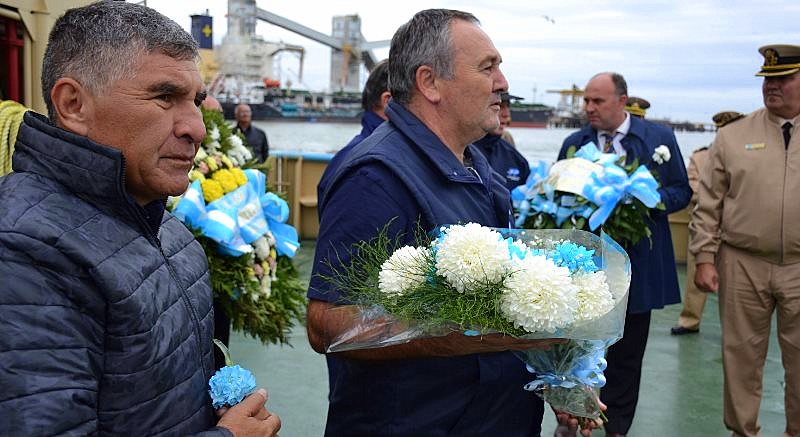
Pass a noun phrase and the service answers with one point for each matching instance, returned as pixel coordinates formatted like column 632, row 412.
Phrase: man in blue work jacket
column 420, row 167
column 503, row 157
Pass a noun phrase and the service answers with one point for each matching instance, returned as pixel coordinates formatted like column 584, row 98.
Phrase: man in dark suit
column 654, row 280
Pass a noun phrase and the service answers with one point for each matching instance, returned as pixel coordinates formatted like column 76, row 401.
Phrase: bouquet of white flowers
column 530, row 284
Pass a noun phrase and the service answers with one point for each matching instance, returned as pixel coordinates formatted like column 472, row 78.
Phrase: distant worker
column 503, row 156
column 746, row 242
column 694, row 299
column 256, row 138
column 374, row 99
column 637, row 106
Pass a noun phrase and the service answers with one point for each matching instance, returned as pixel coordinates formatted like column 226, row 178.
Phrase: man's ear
column 73, row 105
column 427, row 84
column 385, row 96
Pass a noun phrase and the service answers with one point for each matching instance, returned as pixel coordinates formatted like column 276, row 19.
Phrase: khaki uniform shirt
column 695, row 169
column 748, row 192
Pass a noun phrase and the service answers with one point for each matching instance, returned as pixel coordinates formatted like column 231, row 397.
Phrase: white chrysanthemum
column 403, row 271
column 472, row 255
column 235, row 141
column 594, row 297
column 661, row 154
column 262, row 247
column 214, row 134
column 239, row 155
column 539, row 296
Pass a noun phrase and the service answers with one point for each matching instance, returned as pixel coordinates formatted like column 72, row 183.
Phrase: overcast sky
column 690, row 59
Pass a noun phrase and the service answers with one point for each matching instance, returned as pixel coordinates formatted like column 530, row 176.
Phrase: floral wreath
column 241, row 226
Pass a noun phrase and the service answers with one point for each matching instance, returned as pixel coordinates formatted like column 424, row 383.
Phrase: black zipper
column 153, row 239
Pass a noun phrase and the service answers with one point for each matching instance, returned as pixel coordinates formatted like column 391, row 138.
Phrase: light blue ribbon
column 521, row 194
column 545, row 203
column 608, row 188
column 276, row 211
column 571, row 206
column 590, row 152
column 240, row 217
column 244, row 206
column 588, row 370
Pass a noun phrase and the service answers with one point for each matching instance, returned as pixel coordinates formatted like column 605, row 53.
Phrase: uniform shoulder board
column 726, row 117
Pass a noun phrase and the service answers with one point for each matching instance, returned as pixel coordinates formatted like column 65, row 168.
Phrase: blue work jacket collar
column 436, row 151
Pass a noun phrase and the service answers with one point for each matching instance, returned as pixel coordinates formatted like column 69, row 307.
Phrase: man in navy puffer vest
column 105, row 302
column 420, row 167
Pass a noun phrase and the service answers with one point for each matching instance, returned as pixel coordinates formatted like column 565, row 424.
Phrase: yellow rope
column 11, row 114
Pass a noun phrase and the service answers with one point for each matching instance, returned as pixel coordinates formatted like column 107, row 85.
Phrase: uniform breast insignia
column 754, row 146
column 512, row 174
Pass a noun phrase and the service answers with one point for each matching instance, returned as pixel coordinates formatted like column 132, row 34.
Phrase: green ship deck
column 681, row 392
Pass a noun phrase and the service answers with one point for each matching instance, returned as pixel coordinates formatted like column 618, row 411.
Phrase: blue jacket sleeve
column 51, row 343
column 359, row 206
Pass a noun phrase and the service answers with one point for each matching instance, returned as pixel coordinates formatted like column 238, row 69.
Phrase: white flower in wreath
column 239, row 155
column 214, row 134
column 661, row 154
column 212, row 147
column 235, row 141
column 266, row 286
column 261, row 246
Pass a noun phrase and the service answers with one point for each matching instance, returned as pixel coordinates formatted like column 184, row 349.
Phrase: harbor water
column 534, row 144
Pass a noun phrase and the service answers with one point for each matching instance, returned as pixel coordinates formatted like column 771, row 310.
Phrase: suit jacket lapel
column 634, row 141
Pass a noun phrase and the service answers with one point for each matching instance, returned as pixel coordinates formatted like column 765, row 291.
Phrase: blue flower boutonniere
column 231, row 383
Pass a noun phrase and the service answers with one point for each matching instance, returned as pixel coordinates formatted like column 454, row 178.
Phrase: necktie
column 787, row 133
column 608, row 146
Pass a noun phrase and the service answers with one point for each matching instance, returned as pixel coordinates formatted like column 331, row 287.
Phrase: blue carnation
column 574, row 257
column 230, row 385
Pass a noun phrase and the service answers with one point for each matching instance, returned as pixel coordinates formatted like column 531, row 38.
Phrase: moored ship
column 274, row 103
column 530, row 114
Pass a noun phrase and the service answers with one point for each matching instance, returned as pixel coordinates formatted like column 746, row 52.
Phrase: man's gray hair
column 423, row 40
column 101, row 43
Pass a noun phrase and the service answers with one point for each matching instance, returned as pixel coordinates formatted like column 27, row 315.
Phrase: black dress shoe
column 680, row 330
